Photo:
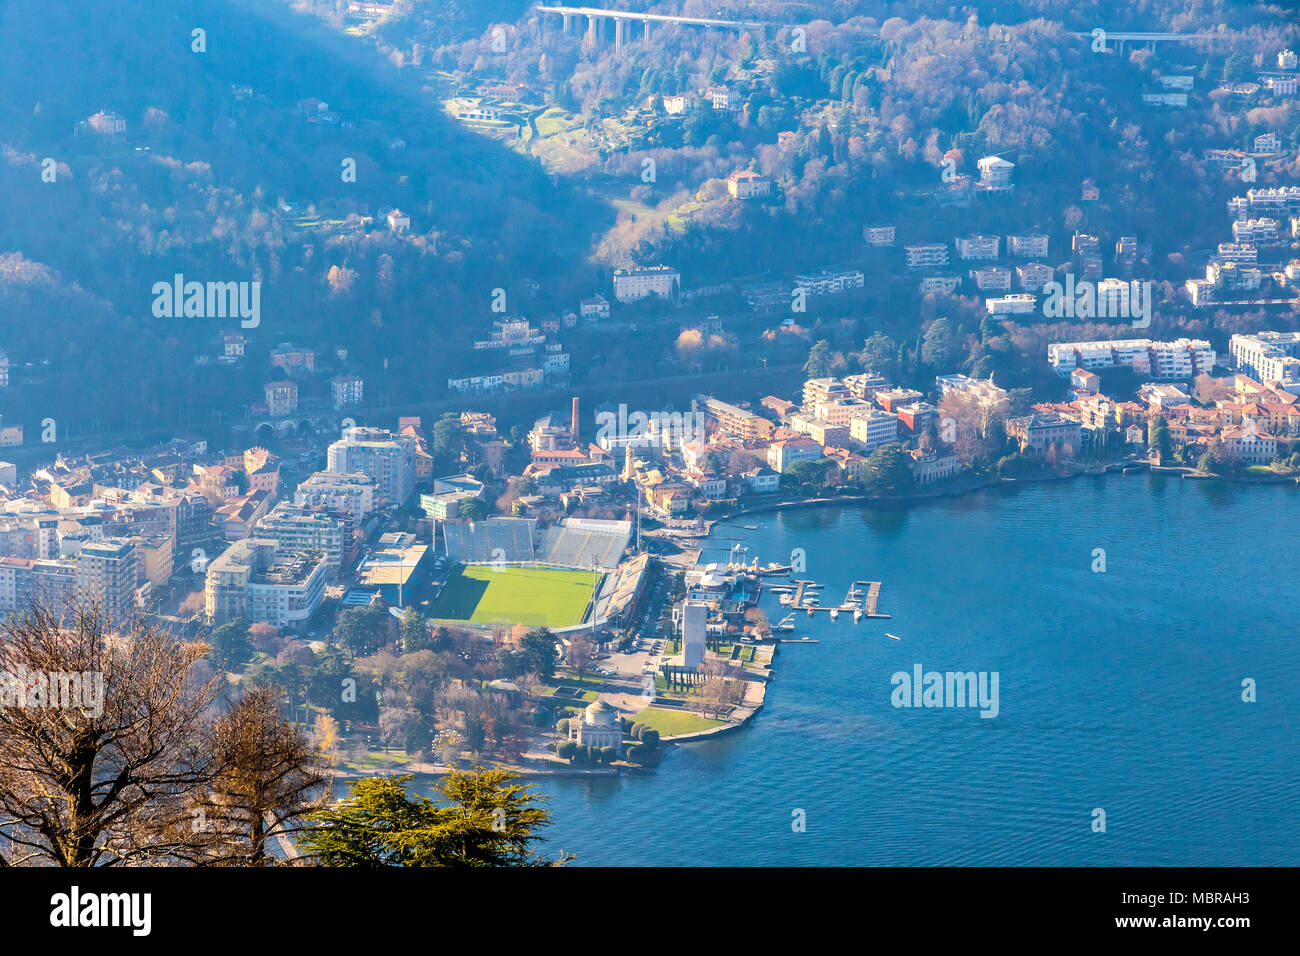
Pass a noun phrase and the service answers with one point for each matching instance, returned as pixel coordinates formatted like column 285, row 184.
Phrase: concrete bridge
column 597, row 20
column 1116, row 39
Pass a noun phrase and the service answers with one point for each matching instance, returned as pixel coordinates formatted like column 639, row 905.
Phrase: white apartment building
column 977, row 247
column 992, row 279
column 1255, row 230
column 1034, row 275
column 925, row 255
column 878, row 235
column 388, row 458
column 939, row 285
column 1268, row 356
column 873, row 428
column 820, row 391
column 256, row 581
column 1244, row 253
column 829, row 283
column 296, row 528
column 1033, row 245
column 1180, row 358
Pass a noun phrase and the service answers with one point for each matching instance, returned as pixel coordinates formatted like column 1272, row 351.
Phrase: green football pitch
column 485, row 594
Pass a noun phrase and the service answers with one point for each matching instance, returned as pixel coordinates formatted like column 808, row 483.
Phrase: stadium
column 507, row 571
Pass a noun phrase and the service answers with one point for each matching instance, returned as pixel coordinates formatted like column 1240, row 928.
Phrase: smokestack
column 573, row 421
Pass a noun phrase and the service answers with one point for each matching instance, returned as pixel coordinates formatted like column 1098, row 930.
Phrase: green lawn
column 485, row 594
column 669, row 722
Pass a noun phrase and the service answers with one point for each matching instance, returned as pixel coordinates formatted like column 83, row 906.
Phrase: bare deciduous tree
column 107, row 781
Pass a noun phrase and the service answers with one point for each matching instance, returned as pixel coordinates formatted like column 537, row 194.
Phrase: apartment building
column 732, row 420
column 820, row 391
column 995, row 173
column 352, row 494
column 377, row 452
column 254, row 580
column 300, row 528
column 878, row 236
column 784, row 453
column 992, row 279
column 977, row 247
column 1030, row 245
column 827, row 282
column 106, row 576
column 873, row 428
column 281, row 398
column 1268, row 356
column 1252, row 231
column 865, row 386
column 1034, row 275
column 347, row 391
column 926, row 255
column 891, row 399
column 1180, row 358
column 939, row 285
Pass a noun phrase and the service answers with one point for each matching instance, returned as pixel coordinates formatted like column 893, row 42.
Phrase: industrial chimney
column 573, row 421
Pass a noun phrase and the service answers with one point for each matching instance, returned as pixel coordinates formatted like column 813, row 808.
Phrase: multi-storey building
column 347, row 391
column 1041, row 431
column 977, row 247
column 1034, row 275
column 256, row 581
column 1180, row 358
column 1032, row 245
column 300, row 528
column 1268, row 356
column 377, row 452
column 281, row 398
column 878, row 235
column 352, row 494
column 925, row 255
column 819, row 391
column 106, row 576
column 829, row 283
column 633, row 284
column 872, row 428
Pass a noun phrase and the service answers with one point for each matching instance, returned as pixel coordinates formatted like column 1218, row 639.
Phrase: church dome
column 600, row 714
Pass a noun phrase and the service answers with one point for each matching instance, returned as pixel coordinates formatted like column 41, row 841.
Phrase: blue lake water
column 1119, row 690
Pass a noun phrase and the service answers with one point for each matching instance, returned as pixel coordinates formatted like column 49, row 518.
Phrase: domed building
column 599, row 727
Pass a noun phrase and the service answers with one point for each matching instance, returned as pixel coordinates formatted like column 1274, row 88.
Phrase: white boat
column 857, row 616
column 786, row 599
column 850, row 606
column 835, row 613
column 805, row 638
column 894, row 636
column 810, row 611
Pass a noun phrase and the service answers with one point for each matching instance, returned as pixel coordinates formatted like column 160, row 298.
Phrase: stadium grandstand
column 496, row 540
column 584, row 543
